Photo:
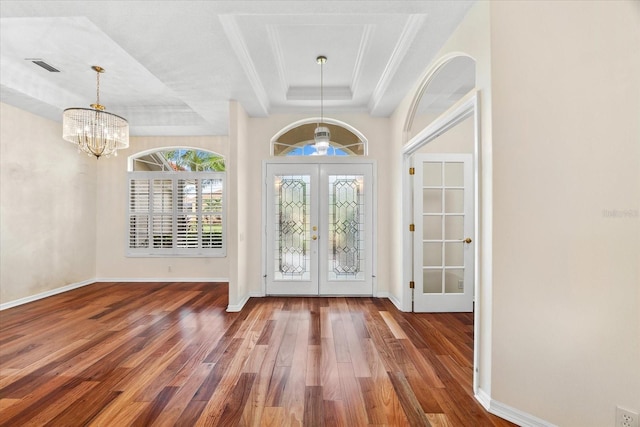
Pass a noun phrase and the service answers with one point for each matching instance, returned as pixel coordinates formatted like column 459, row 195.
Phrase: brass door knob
column 314, row 237
column 467, row 240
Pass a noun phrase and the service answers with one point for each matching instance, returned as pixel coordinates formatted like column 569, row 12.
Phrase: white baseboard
column 238, row 307
column 382, row 294
column 395, row 301
column 484, row 399
column 510, row 414
column 162, row 279
column 45, row 294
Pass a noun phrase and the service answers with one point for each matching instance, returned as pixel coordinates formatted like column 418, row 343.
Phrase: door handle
column 314, row 237
column 467, row 240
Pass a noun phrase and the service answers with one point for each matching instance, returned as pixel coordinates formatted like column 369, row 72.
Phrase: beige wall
column 566, row 150
column 240, row 194
column 111, row 261
column 459, row 139
column 48, row 208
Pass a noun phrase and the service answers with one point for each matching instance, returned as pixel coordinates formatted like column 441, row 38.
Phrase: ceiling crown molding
column 414, row 24
column 239, row 46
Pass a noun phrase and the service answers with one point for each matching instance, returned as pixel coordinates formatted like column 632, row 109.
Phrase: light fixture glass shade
column 321, row 138
column 96, row 132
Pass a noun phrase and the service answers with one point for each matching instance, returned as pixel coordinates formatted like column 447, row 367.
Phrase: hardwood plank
column 313, row 407
column 354, row 403
column 410, row 404
column 183, row 397
column 294, row 391
column 153, row 410
column 273, row 417
column 191, row 413
column 331, row 389
column 279, row 379
column 439, row 420
column 313, row 375
column 230, row 376
column 166, row 354
column 125, row 416
column 58, row 404
column 335, row 414
column 396, row 330
column 374, row 406
column 84, row 410
column 255, row 408
column 234, row 405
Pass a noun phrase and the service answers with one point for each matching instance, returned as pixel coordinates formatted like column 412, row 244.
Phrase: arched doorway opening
column 446, row 238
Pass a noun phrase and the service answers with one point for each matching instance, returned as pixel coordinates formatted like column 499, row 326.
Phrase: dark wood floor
column 120, row 354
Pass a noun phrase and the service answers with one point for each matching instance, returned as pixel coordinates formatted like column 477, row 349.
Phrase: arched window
column 176, row 203
column 177, row 159
column 297, row 139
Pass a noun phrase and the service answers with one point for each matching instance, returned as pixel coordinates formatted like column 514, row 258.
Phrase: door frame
column 301, row 160
column 466, row 107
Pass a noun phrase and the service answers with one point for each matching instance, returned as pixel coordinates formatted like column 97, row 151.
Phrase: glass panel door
column 291, row 217
column 319, row 225
column 346, row 217
column 443, row 212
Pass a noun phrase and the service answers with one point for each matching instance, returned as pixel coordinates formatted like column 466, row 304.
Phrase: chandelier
column 321, row 135
column 95, row 131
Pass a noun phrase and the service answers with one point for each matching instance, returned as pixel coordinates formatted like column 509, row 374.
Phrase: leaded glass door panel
column 346, row 221
column 319, row 229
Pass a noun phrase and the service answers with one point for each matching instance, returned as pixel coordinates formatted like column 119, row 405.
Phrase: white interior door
column 319, row 229
column 443, row 245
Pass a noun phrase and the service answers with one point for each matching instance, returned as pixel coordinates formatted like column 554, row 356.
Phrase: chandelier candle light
column 321, row 135
column 95, row 131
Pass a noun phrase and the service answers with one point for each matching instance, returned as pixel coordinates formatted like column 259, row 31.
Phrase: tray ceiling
column 172, row 66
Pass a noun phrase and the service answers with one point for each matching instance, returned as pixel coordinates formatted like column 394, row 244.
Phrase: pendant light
column 321, row 135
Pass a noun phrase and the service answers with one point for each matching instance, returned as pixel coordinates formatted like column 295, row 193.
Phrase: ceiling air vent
column 41, row 63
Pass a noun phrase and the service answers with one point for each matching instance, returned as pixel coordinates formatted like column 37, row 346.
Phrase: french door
column 319, row 229
column 443, row 220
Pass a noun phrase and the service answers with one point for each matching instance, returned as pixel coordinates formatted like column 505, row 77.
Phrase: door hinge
column 412, row 284
column 412, row 171
column 412, row 227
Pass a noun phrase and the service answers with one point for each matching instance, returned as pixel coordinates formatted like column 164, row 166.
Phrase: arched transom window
column 297, row 140
column 176, row 203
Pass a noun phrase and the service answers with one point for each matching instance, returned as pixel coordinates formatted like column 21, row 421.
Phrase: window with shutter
column 178, row 210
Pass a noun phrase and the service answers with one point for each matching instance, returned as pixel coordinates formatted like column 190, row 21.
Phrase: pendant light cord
column 321, row 91
column 321, row 60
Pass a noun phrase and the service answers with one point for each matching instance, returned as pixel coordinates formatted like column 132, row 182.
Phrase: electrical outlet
column 626, row 418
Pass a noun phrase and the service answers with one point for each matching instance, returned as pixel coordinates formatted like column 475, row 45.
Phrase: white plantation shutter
column 188, row 219
column 176, row 213
column 139, row 213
